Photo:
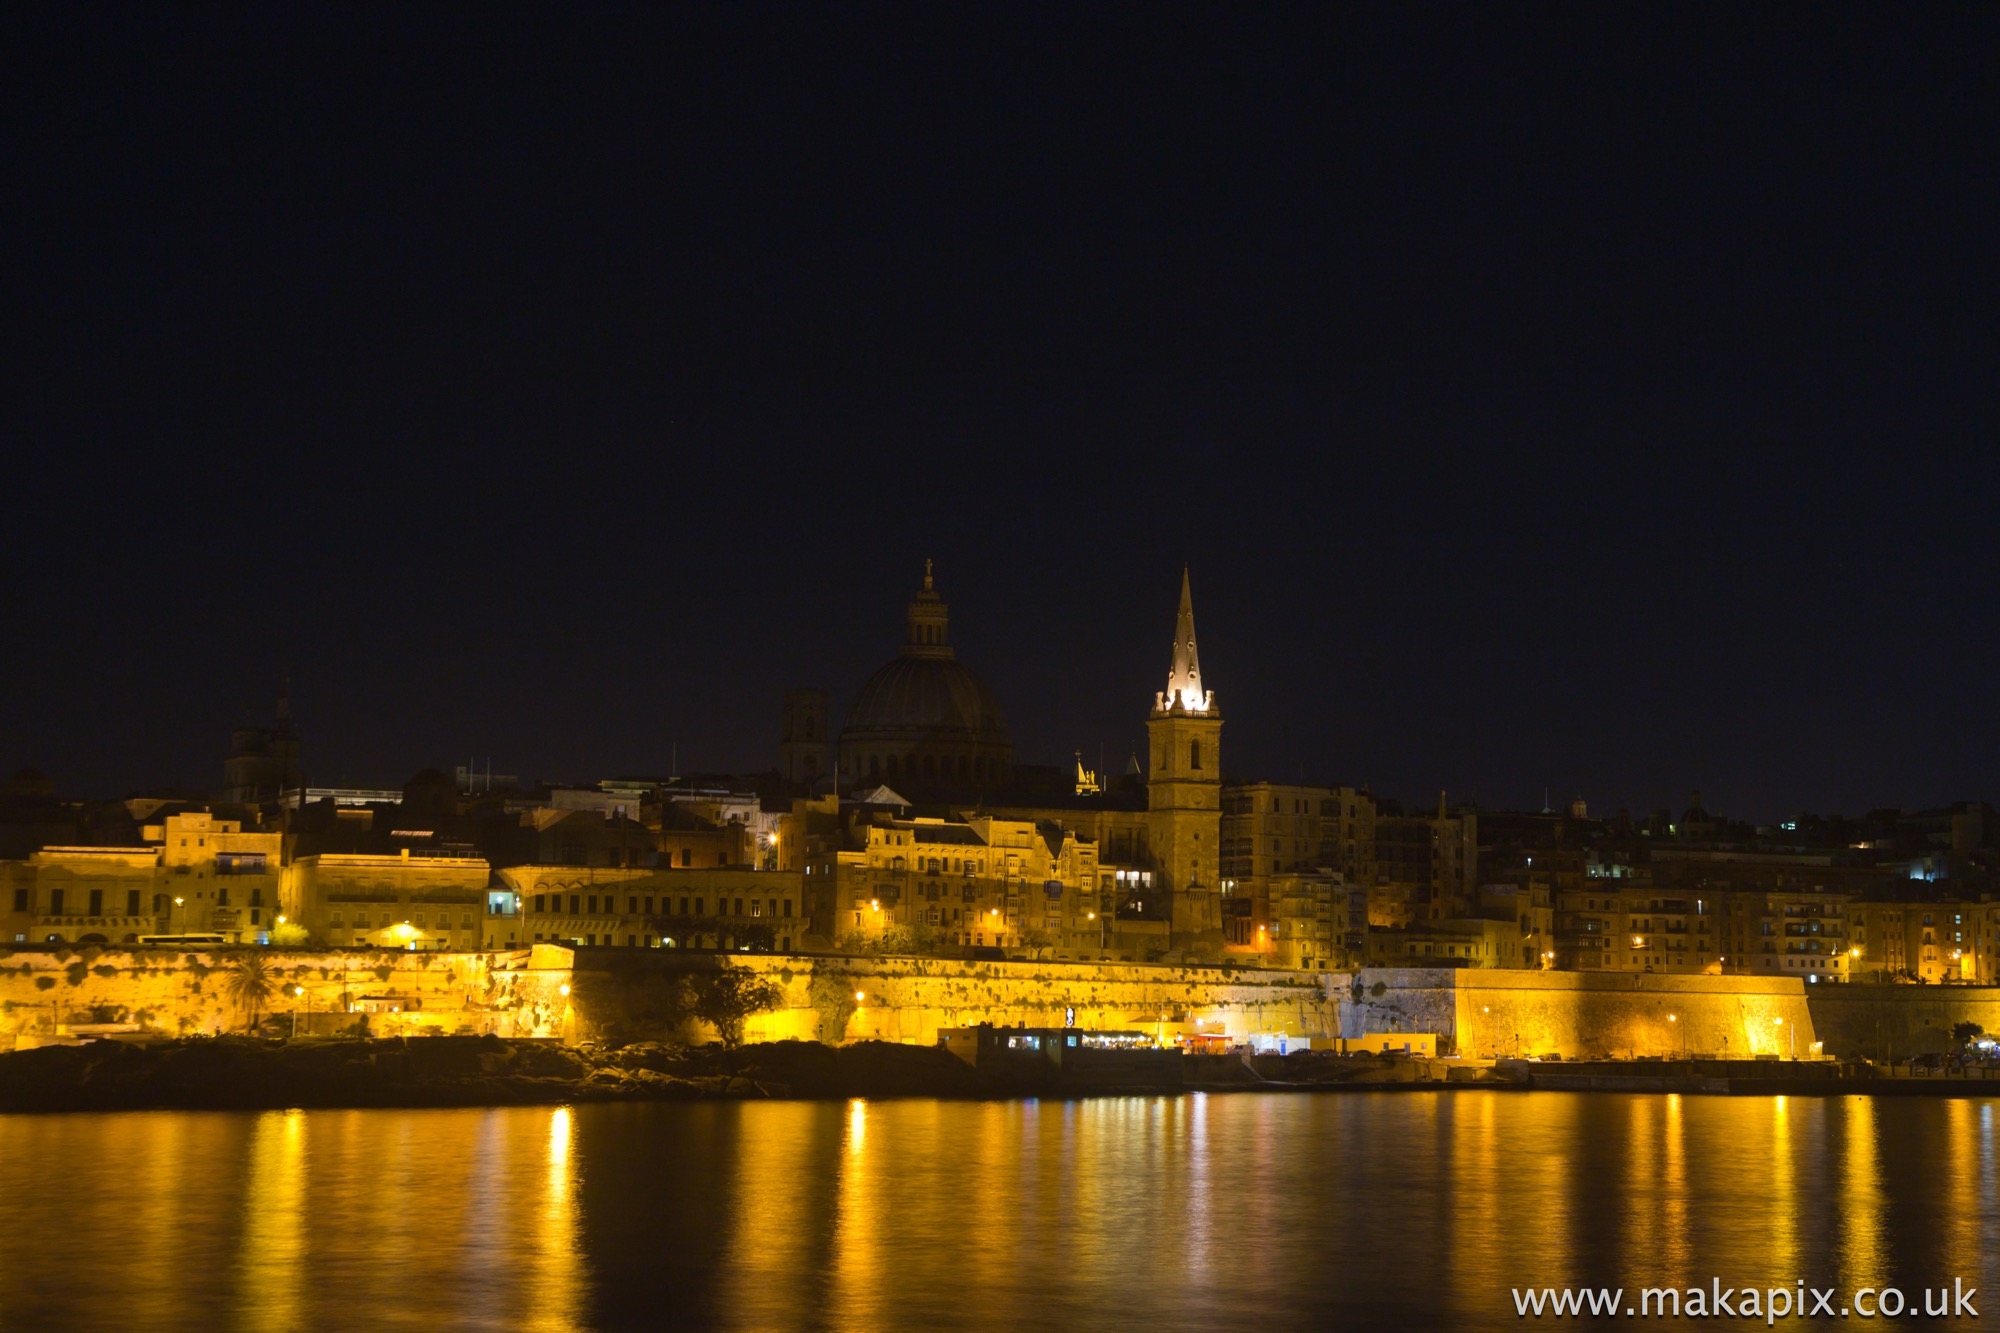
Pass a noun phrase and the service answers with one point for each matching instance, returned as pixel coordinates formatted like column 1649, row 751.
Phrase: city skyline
column 1107, row 760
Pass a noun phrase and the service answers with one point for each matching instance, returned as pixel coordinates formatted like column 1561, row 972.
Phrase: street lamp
column 1779, row 1022
column 178, row 900
column 1675, row 1020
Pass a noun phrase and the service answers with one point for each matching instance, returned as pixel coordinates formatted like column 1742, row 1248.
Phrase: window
column 55, row 902
column 788, row 907
column 541, row 902
column 593, row 904
column 687, row 856
column 131, row 902
column 97, row 902
column 20, row 900
column 1194, row 755
column 575, row 905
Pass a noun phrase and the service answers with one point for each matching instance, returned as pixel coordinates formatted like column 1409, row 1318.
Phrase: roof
column 962, row 835
column 914, row 696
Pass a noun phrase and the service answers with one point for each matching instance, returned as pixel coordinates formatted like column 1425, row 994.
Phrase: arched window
column 930, row 766
column 874, row 764
column 1194, row 755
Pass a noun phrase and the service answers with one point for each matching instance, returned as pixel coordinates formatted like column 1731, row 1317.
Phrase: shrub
column 105, row 970
column 45, row 983
column 75, row 972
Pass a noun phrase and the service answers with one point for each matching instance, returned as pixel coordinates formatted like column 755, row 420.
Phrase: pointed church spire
column 1184, row 689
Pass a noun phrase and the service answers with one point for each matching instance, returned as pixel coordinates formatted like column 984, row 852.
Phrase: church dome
column 925, row 719
column 927, row 694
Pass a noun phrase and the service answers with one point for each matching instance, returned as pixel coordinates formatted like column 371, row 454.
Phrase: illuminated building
column 983, row 882
column 713, row 908
column 1627, row 926
column 82, row 895
column 195, row 874
column 228, row 877
column 1923, row 941
column 403, row 901
column 1798, row 933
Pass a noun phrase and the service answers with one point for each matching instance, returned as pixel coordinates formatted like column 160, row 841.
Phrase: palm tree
column 249, row 984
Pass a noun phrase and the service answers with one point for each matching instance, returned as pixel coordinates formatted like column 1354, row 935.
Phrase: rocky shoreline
column 240, row 1073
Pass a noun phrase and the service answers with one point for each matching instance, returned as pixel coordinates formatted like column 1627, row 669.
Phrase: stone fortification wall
column 1897, row 1022
column 644, row 995
column 637, row 997
column 1578, row 1014
column 45, row 994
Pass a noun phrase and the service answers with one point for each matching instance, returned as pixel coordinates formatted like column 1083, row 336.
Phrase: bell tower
column 1184, row 783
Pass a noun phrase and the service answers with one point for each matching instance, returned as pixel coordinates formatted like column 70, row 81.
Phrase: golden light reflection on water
column 1783, row 1214
column 553, row 1289
column 1959, row 1189
column 856, row 1267
column 272, row 1257
column 1676, row 1248
column 1210, row 1213
column 1863, row 1251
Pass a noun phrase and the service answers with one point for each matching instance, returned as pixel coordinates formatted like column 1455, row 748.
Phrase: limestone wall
column 1478, row 1012
column 910, row 999
column 1896, row 1022
column 641, row 995
column 175, row 993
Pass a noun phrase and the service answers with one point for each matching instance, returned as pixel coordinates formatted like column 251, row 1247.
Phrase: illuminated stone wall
column 173, row 993
column 910, row 999
column 1896, row 1022
column 1478, row 1012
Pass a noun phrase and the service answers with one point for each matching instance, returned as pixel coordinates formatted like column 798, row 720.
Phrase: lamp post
column 1674, row 1021
column 172, row 928
column 1779, row 1022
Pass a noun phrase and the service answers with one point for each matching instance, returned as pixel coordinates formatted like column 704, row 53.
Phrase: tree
column 247, row 983
column 1037, row 940
column 724, row 999
column 1966, row 1033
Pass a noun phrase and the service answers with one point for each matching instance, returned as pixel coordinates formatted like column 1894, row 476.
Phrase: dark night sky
column 1600, row 398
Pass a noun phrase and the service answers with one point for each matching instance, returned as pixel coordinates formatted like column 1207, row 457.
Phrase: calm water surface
column 1209, row 1213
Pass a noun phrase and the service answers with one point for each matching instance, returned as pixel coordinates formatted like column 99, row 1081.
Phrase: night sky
column 1600, row 399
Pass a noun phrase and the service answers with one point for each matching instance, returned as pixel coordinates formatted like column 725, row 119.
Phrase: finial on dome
column 927, row 574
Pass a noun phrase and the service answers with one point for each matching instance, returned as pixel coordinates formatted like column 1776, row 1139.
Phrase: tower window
column 1194, row 754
